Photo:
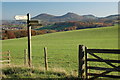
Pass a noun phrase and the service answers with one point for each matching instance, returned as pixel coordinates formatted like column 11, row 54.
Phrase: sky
column 60, row 0
column 99, row 9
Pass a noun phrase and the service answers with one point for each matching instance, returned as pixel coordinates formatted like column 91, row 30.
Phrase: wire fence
column 54, row 57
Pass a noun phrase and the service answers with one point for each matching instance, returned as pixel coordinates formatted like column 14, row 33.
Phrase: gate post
column 82, row 62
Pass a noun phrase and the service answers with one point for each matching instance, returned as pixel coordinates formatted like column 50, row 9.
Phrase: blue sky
column 100, row 9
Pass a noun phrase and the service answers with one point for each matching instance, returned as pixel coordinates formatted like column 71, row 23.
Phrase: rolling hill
column 66, row 17
column 72, row 17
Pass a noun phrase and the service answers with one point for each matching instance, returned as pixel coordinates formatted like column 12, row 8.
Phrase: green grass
column 63, row 46
column 17, row 72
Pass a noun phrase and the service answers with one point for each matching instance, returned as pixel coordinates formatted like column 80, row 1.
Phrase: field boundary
column 83, row 59
column 5, row 57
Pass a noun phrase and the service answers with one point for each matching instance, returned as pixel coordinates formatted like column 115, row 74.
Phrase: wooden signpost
column 29, row 24
column 29, row 40
column 21, row 17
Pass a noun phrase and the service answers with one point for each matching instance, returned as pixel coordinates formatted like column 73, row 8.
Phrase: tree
column 23, row 33
column 33, row 32
column 10, row 34
column 18, row 34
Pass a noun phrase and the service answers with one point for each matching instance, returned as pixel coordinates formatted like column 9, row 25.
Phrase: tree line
column 57, row 27
column 11, row 34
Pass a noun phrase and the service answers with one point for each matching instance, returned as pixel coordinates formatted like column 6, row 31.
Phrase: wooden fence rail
column 5, row 57
column 83, row 59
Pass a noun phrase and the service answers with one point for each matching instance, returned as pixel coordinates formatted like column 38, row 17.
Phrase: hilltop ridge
column 70, row 16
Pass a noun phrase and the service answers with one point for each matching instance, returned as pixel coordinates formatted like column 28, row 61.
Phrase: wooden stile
column 6, row 57
column 5, row 61
column 4, row 52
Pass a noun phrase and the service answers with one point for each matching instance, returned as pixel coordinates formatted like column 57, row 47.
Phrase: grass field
column 63, row 47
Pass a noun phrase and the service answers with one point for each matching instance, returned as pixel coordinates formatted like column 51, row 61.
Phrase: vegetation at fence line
column 63, row 47
column 17, row 72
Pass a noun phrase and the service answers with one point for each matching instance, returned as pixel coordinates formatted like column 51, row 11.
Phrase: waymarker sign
column 21, row 17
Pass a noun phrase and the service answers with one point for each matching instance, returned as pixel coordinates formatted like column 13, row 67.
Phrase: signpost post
column 27, row 17
column 29, row 24
column 29, row 41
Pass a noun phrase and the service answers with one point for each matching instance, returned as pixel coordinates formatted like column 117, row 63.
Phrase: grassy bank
column 63, row 47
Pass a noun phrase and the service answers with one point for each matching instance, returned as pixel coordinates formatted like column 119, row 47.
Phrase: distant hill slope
column 67, row 17
column 112, row 17
column 73, row 25
column 44, row 17
column 71, row 17
column 47, row 19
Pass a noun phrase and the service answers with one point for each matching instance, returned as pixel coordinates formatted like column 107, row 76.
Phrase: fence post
column 85, row 59
column 82, row 62
column 25, row 56
column 45, row 58
column 8, row 57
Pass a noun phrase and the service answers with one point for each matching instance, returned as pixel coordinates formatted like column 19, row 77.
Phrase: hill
column 66, row 17
column 74, row 25
column 44, row 17
column 72, row 17
column 112, row 17
column 48, row 19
